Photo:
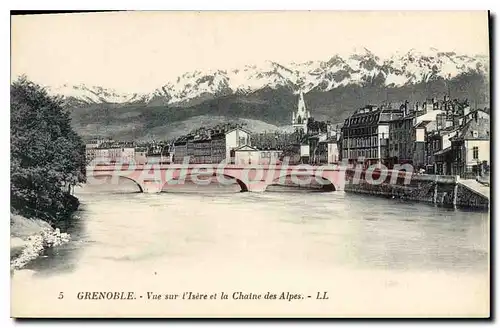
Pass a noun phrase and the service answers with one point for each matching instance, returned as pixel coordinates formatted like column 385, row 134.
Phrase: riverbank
column 448, row 191
column 29, row 238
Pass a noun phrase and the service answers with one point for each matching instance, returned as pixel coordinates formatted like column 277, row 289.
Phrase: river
column 373, row 256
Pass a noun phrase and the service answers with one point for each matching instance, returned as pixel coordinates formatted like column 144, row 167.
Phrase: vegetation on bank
column 47, row 156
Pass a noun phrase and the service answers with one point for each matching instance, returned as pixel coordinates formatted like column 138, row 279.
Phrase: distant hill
column 266, row 95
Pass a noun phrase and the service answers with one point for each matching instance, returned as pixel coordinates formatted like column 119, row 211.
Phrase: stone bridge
column 153, row 178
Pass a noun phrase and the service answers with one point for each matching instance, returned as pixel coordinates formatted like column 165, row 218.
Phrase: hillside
column 268, row 93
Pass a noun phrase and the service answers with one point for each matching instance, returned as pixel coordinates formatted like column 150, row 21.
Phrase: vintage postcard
column 250, row 164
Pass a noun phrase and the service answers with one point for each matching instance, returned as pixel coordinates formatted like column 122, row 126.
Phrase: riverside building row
column 105, row 151
column 442, row 137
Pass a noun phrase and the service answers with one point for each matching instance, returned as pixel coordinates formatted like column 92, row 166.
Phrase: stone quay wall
column 435, row 189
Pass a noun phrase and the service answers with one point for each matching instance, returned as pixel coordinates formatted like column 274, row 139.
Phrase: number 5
column 61, row 295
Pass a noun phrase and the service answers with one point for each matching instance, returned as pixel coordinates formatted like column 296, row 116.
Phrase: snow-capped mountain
column 82, row 94
column 360, row 68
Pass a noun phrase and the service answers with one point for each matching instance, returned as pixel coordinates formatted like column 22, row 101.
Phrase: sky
column 141, row 51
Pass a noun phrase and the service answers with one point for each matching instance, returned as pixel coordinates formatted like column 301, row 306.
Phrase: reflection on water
column 193, row 230
column 280, row 227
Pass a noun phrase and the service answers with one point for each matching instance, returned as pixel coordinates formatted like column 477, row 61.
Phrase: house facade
column 236, row 138
column 365, row 134
column 212, row 146
column 248, row 155
column 401, row 140
column 116, row 152
column 470, row 148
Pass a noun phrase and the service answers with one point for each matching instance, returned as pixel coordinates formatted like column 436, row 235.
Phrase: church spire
column 301, row 115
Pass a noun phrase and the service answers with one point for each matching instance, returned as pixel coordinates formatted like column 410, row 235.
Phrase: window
column 475, row 152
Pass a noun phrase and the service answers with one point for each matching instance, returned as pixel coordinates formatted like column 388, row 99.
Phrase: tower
column 301, row 115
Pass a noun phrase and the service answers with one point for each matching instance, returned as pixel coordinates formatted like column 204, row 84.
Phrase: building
column 317, row 133
column 407, row 141
column 470, row 147
column 180, row 149
column 438, row 148
column 365, row 134
column 447, row 121
column 91, row 147
column 321, row 155
column 333, row 154
column 159, row 152
column 273, row 140
column 127, row 153
column 305, row 152
column 408, row 134
column 101, row 153
column 236, row 138
column 210, row 146
column 301, row 116
column 401, row 141
column 248, row 155
column 141, row 155
column 218, row 146
column 419, row 137
column 115, row 152
column 270, row 156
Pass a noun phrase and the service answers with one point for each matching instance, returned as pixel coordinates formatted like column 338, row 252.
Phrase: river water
column 373, row 256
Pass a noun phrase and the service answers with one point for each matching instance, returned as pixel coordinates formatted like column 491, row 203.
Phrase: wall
column 466, row 197
column 102, row 154
column 128, row 154
column 435, row 189
column 420, row 134
column 180, row 151
column 383, row 134
column 446, row 139
column 269, row 156
column 236, row 138
column 419, row 154
column 333, row 153
column 304, row 150
column 246, row 157
column 484, row 151
column 140, row 157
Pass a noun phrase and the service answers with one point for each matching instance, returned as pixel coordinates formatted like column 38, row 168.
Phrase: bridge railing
column 338, row 174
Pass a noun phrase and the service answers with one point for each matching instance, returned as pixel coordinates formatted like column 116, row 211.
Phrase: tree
column 47, row 156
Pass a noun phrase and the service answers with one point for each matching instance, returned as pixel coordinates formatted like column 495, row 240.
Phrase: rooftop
column 475, row 129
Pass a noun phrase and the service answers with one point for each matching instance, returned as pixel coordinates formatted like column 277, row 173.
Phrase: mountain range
column 267, row 93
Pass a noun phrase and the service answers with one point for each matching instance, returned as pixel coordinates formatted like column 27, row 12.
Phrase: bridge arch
column 326, row 183
column 107, row 176
column 243, row 186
